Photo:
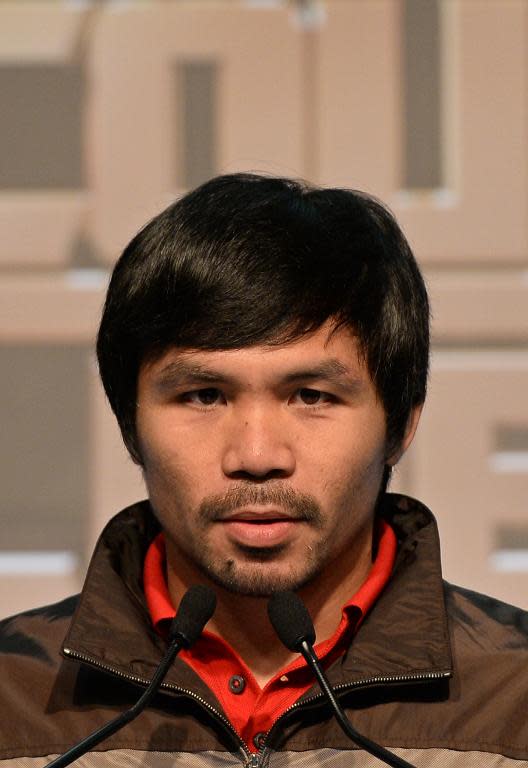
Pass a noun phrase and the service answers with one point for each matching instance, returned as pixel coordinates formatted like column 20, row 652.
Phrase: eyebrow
column 179, row 372
column 332, row 371
column 185, row 372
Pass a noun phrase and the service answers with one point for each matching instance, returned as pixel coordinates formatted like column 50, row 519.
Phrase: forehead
column 327, row 353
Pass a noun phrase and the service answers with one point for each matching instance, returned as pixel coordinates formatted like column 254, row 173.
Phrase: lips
column 259, row 527
column 258, row 516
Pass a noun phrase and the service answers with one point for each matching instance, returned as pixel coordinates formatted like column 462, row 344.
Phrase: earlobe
column 410, row 431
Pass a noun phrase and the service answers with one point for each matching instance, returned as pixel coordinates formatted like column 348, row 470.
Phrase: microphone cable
column 293, row 625
column 195, row 609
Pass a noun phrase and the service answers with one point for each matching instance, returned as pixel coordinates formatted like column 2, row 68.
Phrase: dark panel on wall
column 44, row 447
column 41, row 126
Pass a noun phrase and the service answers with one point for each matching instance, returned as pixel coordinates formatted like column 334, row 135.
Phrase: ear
column 410, row 430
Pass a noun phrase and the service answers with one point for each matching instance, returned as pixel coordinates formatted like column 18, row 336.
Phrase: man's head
column 264, row 346
column 246, row 260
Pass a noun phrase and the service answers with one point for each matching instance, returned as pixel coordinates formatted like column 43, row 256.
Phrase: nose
column 258, row 446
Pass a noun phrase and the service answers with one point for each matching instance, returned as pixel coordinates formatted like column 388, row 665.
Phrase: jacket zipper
column 248, row 755
column 252, row 759
column 365, row 683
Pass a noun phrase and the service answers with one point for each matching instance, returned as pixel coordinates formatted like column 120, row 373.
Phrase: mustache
column 299, row 506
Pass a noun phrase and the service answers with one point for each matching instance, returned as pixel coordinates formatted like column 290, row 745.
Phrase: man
column 264, row 346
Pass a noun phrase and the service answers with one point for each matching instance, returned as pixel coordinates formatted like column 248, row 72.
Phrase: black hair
column 247, row 259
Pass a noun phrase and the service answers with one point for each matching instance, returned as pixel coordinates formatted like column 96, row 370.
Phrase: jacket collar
column 406, row 633
column 404, row 636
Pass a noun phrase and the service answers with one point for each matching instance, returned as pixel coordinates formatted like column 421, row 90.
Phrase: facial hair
column 252, row 573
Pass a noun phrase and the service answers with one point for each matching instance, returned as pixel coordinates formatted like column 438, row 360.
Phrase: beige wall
column 261, row 87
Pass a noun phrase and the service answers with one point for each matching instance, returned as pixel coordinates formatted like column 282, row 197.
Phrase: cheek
column 351, row 463
column 159, row 441
column 171, row 490
column 356, row 448
column 164, row 465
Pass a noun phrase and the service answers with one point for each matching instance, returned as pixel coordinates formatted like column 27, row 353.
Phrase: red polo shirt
column 251, row 709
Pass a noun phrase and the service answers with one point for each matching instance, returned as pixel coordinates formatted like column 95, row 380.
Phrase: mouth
column 259, row 515
column 260, row 527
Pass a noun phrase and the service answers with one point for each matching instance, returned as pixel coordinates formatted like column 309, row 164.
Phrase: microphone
column 196, row 608
column 293, row 625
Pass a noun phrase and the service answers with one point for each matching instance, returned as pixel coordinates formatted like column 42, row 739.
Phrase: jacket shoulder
column 30, row 661
column 488, row 617
column 489, row 641
column 38, row 632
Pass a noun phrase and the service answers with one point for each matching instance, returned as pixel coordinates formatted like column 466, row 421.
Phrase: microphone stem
column 306, row 649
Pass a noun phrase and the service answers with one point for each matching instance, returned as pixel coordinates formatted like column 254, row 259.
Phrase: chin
column 259, row 579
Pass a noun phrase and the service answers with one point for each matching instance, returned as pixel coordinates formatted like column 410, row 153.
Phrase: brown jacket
column 436, row 673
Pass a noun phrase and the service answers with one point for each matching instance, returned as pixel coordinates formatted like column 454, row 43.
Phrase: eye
column 204, row 397
column 313, row 396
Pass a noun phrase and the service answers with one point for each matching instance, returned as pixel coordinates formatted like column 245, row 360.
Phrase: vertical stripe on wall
column 422, row 89
column 198, row 121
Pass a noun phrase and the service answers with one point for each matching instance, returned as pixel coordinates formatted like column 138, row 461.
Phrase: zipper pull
column 253, row 762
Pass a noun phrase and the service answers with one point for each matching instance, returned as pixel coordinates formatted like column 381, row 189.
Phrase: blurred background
column 109, row 110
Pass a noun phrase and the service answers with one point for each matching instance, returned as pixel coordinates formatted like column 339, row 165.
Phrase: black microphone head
column 196, row 608
column 291, row 620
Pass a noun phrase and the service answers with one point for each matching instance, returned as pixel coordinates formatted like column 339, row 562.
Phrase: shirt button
column 259, row 740
column 236, row 684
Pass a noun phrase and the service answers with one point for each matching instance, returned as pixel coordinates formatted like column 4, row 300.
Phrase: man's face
column 263, row 464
